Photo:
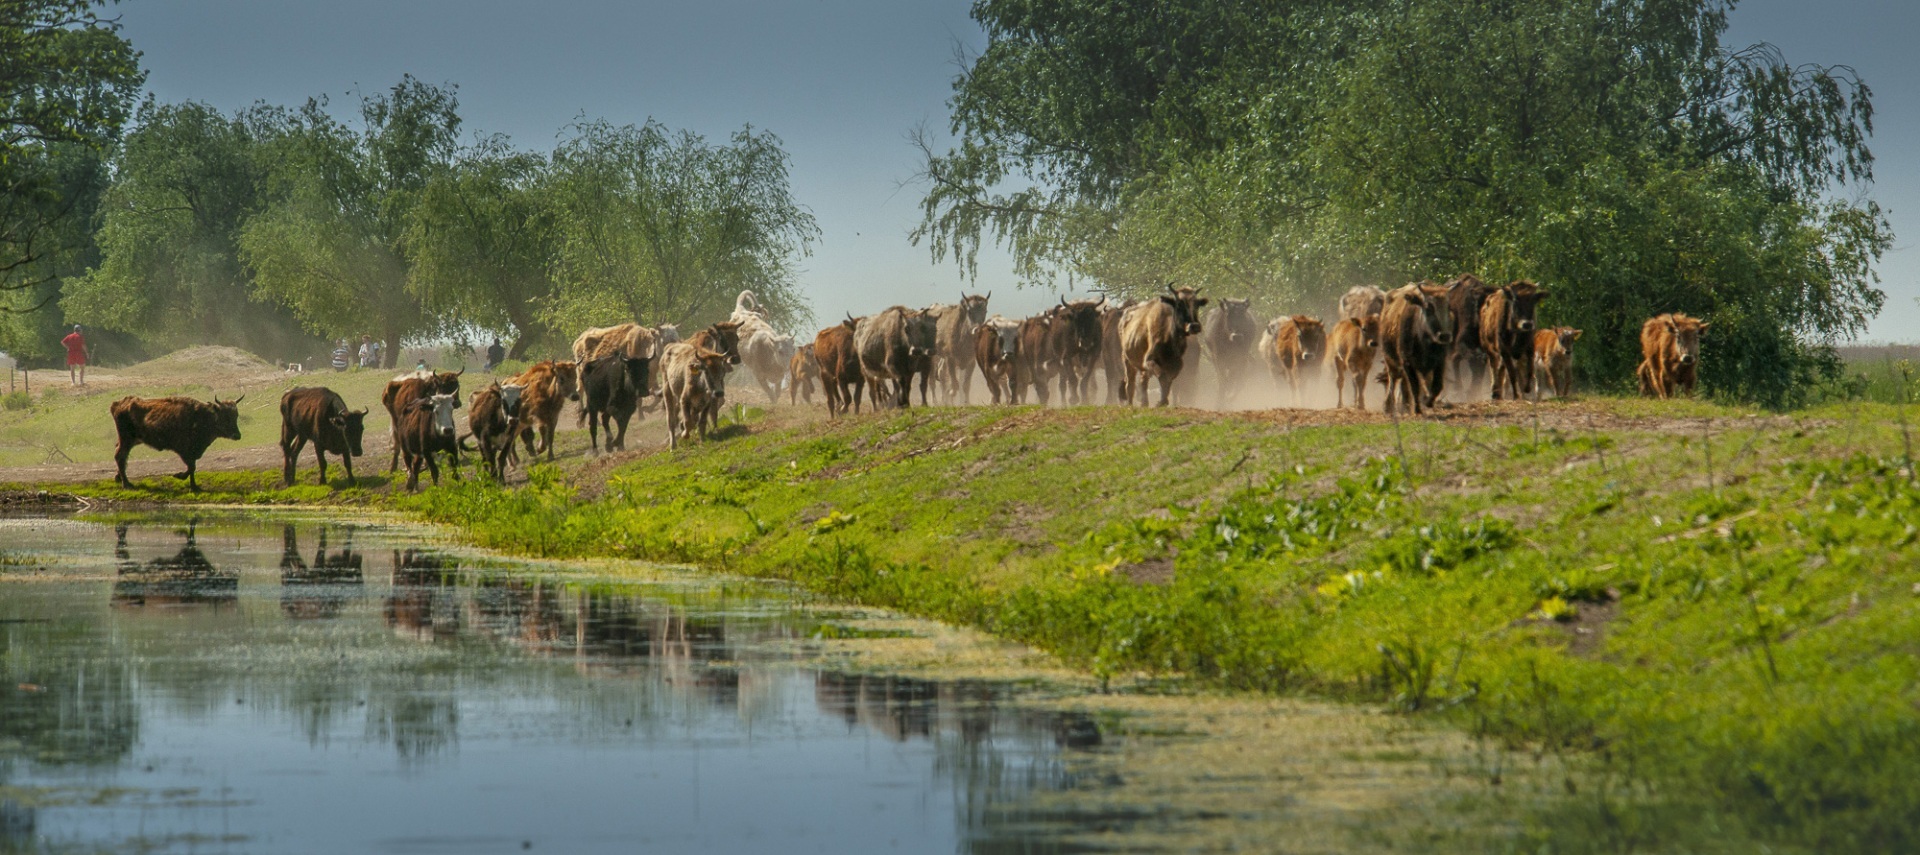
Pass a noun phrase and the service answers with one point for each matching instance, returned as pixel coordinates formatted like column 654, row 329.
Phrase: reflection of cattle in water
column 420, row 606
column 185, row 578
column 320, row 589
column 902, row 708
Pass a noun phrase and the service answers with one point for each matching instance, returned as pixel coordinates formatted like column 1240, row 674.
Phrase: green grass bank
column 1707, row 615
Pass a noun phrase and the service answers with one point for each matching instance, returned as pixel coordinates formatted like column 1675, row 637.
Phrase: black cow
column 183, row 426
column 611, row 388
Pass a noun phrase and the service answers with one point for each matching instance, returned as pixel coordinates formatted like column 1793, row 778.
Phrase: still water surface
column 241, row 684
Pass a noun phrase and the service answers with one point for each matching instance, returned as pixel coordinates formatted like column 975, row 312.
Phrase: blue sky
column 841, row 82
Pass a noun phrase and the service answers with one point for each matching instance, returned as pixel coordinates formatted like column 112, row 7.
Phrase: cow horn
column 235, row 401
column 1170, row 288
column 1063, row 302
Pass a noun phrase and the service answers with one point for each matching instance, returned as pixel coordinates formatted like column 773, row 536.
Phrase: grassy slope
column 1744, row 640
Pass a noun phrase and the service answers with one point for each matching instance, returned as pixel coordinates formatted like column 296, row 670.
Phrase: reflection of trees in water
column 418, row 723
column 185, row 578
column 16, row 827
column 323, row 588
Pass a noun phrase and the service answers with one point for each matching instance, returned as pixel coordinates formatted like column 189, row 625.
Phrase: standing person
column 340, row 356
column 76, row 357
column 369, row 352
column 495, row 354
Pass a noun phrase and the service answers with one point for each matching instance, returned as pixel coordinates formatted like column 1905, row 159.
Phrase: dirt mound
column 215, row 359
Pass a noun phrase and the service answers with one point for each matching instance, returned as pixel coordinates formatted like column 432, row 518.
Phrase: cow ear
column 1576, row 335
column 1200, row 302
column 1703, row 327
column 1169, row 300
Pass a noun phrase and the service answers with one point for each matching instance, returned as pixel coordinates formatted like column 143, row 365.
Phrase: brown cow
column 1669, row 354
column 1113, row 364
column 426, row 427
column 1553, row 359
column 1353, row 344
column 1362, row 301
column 1033, row 363
column 996, row 349
column 1468, row 357
column 953, row 344
column 890, row 345
column 184, row 426
column 1300, row 348
column 494, row 420
column 630, row 339
column 1506, row 334
column 1153, row 340
column 802, row 371
column 1232, row 334
column 405, row 388
column 722, row 338
column 1416, row 329
column 695, row 380
column 839, row 366
column 1074, row 343
column 320, row 416
column 549, row 386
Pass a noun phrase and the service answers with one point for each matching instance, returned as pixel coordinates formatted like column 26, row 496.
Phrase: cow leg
column 120, row 460
column 673, row 421
column 320, row 457
column 290, row 450
column 347, row 461
column 433, row 466
column 192, row 484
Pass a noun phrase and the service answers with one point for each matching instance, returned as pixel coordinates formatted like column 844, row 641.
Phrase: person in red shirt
column 76, row 356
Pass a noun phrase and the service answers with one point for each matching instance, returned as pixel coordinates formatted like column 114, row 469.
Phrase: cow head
column 1234, row 319
column 1370, row 330
column 1006, row 336
column 509, row 394
column 1082, row 323
column 637, row 370
column 922, row 329
column 441, row 408
column 1186, row 304
column 1686, row 337
column 1522, row 298
column 708, row 371
column 784, row 347
column 1436, row 309
column 724, row 337
column 664, row 335
column 226, row 418
column 1312, row 336
column 353, row 425
column 975, row 308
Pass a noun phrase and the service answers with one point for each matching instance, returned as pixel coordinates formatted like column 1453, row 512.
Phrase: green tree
column 331, row 246
column 481, row 242
column 187, row 179
column 1617, row 152
column 666, row 228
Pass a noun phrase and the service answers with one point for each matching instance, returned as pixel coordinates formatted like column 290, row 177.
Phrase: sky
column 841, row 82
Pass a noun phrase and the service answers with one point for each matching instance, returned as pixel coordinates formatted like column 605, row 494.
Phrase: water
column 242, row 685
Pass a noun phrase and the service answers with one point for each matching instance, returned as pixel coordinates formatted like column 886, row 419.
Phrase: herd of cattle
column 1420, row 334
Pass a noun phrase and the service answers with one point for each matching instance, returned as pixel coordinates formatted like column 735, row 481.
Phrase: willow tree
column 664, row 227
column 331, row 246
column 1617, row 151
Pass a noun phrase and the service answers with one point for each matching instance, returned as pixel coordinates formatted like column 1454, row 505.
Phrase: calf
column 1352, row 343
column 1506, row 334
column 549, row 386
column 425, row 427
column 322, row 417
column 1415, row 330
column 802, row 371
column 184, row 426
column 494, row 419
column 1229, row 344
column 996, row 349
column 839, row 366
column 611, row 388
column 1669, row 354
column 1034, row 364
column 695, row 385
column 953, row 344
column 1074, row 343
column 1553, row 359
column 1153, row 340
column 403, row 389
column 1300, row 346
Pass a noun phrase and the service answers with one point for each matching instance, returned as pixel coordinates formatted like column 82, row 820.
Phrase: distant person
column 421, row 365
column 369, row 352
column 76, row 356
column 495, row 355
column 340, row 356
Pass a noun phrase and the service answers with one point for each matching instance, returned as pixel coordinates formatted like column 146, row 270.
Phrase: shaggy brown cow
column 1362, row 301
column 695, row 386
column 1669, row 354
column 494, row 419
column 405, row 388
column 1468, row 357
column 322, row 417
column 630, row 339
column 953, row 344
column 1073, row 341
column 1553, row 359
column 1506, row 334
column 839, row 366
column 1232, row 333
column 1415, row 330
column 1353, row 343
column 610, row 390
column 425, row 427
column 1033, row 363
column 1153, row 340
column 1300, row 348
column 802, row 371
column 549, row 386
column 996, row 348
column 891, row 345
column 183, row 426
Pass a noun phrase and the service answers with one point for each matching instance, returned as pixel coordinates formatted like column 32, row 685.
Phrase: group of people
column 367, row 357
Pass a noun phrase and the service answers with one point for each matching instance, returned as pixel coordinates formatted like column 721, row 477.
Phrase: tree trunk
column 391, row 356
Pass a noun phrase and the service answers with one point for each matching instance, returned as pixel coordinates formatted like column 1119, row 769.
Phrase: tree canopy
column 1615, row 150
